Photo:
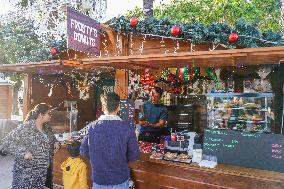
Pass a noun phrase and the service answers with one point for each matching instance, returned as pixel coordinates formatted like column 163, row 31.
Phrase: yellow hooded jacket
column 74, row 174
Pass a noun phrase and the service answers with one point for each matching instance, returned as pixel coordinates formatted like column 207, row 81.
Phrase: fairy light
column 176, row 47
column 105, row 46
column 141, row 48
column 162, row 42
column 214, row 46
column 191, row 47
column 118, row 46
column 131, row 44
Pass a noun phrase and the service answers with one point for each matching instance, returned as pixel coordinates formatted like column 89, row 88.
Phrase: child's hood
column 72, row 165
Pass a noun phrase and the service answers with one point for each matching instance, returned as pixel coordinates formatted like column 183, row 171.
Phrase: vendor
column 153, row 116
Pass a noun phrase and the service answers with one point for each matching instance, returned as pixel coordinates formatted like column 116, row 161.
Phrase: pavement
column 6, row 167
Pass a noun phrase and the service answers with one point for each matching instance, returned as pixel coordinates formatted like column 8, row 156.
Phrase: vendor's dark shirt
column 110, row 144
column 153, row 113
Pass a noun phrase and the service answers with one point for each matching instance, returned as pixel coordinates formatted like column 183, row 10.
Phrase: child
column 74, row 169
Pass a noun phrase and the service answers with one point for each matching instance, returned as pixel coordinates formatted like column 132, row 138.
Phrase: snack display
column 156, row 155
column 170, row 156
column 241, row 111
column 183, row 158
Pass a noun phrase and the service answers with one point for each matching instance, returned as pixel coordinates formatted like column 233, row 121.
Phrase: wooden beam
column 109, row 32
column 27, row 94
column 121, row 83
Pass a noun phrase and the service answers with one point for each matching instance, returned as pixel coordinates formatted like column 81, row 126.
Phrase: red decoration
column 53, row 51
column 133, row 21
column 233, row 37
column 175, row 31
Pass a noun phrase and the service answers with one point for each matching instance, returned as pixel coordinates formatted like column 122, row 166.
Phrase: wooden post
column 121, row 75
column 27, row 94
column 121, row 83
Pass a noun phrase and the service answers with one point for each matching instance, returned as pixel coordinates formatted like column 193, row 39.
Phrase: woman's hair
column 74, row 148
column 41, row 108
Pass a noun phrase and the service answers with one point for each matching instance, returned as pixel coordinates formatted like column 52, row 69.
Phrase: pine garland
column 217, row 33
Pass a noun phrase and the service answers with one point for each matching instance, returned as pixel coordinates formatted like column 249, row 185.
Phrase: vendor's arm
column 160, row 124
column 162, row 121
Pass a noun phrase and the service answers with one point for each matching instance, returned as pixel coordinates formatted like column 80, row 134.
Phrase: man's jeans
column 124, row 185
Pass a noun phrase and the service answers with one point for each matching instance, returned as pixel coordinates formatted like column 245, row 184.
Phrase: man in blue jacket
column 110, row 145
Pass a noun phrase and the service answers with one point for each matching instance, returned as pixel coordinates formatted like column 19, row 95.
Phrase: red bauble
column 233, row 37
column 53, row 51
column 133, row 21
column 175, row 31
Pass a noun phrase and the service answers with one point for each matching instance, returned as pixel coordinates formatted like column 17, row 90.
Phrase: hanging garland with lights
column 241, row 35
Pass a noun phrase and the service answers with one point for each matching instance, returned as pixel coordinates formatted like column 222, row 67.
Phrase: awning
column 217, row 58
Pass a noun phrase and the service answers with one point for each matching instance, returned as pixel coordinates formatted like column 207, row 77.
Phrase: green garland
column 217, row 33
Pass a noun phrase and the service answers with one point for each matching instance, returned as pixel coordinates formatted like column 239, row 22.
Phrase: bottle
column 174, row 136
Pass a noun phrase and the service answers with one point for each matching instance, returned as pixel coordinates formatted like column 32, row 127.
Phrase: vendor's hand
column 56, row 147
column 146, row 124
column 28, row 156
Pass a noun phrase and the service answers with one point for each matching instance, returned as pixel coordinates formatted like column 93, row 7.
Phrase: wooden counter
column 154, row 174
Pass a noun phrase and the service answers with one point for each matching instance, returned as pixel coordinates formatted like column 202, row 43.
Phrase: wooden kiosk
column 147, row 173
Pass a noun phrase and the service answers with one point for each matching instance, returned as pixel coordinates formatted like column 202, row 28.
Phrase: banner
column 83, row 32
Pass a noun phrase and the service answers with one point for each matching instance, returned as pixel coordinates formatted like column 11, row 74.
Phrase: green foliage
column 20, row 43
column 25, row 3
column 265, row 13
column 195, row 32
column 137, row 12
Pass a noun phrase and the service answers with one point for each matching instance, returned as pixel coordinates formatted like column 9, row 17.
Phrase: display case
column 241, row 111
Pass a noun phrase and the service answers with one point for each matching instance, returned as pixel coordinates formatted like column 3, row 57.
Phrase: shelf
column 254, row 122
column 241, row 108
column 254, row 95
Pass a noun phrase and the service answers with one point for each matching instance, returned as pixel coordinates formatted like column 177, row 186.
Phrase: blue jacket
column 109, row 145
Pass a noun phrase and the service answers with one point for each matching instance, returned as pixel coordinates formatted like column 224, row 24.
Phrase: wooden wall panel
column 6, row 101
column 121, row 83
column 39, row 94
column 160, row 174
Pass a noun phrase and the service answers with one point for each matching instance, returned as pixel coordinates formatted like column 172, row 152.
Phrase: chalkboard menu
column 127, row 110
column 255, row 150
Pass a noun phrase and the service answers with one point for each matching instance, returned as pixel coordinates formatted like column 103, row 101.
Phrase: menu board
column 255, row 150
column 127, row 111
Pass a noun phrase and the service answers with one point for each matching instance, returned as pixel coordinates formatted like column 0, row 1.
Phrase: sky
column 5, row 6
column 114, row 7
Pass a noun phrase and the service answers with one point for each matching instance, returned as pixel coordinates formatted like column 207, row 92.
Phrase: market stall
column 225, row 88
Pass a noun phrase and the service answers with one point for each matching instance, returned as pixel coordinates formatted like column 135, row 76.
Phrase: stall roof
column 222, row 58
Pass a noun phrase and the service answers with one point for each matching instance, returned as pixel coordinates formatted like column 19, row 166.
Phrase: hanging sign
column 83, row 32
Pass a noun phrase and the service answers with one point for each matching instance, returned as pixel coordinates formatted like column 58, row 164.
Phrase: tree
column 282, row 14
column 265, row 13
column 148, row 8
column 19, row 43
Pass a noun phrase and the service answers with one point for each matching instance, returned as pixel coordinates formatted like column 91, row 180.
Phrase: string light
column 131, row 44
column 141, row 48
column 118, row 45
column 191, row 47
column 176, row 48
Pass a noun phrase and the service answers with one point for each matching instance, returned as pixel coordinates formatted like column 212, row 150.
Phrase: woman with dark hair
column 32, row 143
